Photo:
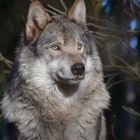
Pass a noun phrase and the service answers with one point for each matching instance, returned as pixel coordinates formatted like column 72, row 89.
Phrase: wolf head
column 60, row 47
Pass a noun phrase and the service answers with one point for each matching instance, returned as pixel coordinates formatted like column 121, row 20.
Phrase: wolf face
column 65, row 51
column 64, row 47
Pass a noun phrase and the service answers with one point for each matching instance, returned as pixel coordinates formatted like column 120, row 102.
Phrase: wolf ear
column 77, row 12
column 37, row 19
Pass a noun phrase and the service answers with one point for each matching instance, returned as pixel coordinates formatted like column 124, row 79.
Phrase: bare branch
column 112, row 74
column 103, row 28
column 131, row 5
column 6, row 61
column 131, row 111
column 55, row 10
column 63, row 4
column 117, row 82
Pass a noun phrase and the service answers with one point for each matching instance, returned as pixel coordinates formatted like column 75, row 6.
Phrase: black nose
column 78, row 69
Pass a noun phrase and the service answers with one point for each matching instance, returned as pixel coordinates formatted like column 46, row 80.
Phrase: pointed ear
column 37, row 19
column 77, row 12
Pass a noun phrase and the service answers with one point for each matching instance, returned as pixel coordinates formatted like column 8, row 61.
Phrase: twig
column 98, row 37
column 109, row 80
column 112, row 74
column 103, row 28
column 6, row 61
column 116, row 68
column 131, row 111
column 131, row 5
column 53, row 13
column 63, row 4
column 118, row 82
column 56, row 10
column 106, row 35
column 113, row 133
column 103, row 21
column 129, row 66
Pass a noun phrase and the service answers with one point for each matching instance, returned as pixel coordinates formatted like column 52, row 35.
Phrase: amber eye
column 79, row 46
column 55, row 47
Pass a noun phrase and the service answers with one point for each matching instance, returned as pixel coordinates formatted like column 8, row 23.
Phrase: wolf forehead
column 66, row 30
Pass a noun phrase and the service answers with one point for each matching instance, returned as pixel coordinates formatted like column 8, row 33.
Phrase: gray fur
column 44, row 107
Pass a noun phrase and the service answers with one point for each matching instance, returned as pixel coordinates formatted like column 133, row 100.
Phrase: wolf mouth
column 78, row 78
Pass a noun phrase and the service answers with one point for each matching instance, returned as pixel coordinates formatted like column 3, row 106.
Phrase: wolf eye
column 79, row 46
column 55, row 47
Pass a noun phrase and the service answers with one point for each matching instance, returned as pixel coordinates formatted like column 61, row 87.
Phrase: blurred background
column 115, row 24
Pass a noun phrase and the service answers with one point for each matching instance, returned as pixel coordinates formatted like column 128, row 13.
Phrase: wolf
column 56, row 91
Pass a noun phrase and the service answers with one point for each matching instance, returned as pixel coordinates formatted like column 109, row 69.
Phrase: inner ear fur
column 77, row 12
column 37, row 19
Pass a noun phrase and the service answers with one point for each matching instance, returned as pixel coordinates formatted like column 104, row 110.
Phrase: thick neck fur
column 63, row 99
column 58, row 107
